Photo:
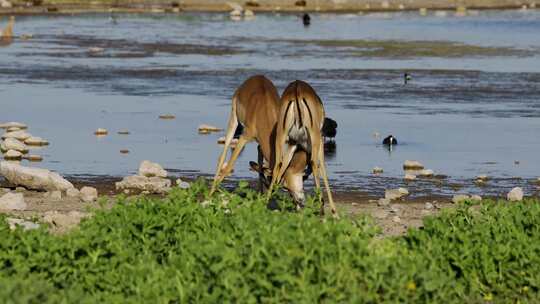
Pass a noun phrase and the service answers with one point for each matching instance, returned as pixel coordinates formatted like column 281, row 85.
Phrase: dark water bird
column 406, row 78
column 306, row 19
column 390, row 141
column 329, row 128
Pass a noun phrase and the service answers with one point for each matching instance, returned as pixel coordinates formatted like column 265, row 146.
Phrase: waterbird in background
column 406, row 78
column 306, row 19
column 390, row 141
column 329, row 128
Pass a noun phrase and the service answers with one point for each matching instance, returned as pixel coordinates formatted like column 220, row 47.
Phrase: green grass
column 233, row 249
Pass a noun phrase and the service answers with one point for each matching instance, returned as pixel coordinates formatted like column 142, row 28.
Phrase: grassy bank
column 232, row 249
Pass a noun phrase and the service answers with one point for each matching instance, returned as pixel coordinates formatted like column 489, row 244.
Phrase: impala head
column 293, row 179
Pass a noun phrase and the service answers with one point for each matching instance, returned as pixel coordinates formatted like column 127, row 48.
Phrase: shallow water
column 472, row 107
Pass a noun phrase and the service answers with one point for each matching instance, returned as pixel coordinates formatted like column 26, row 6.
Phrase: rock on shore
column 151, row 178
column 33, row 178
column 515, row 195
column 12, row 201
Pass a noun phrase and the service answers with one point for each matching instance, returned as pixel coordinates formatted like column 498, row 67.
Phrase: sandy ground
column 64, row 214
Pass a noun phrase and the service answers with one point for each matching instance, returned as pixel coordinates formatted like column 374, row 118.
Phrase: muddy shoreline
column 262, row 6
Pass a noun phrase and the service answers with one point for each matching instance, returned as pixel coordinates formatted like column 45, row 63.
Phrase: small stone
column 12, row 201
column 145, row 192
column 72, row 192
column 423, row 11
column 184, row 185
column 403, row 191
column 124, row 151
column 101, row 132
column 62, row 220
column 96, row 50
column 396, row 219
column 150, row 169
column 26, row 225
column 13, row 155
column 412, row 165
column 383, row 202
column 20, row 189
column 20, row 135
column 428, row 206
column 393, row 194
column 36, row 141
column 13, row 144
column 409, row 177
column 482, row 177
column 89, row 194
column 249, row 13
column 394, row 209
column 515, row 195
column 377, row 170
column 33, row 158
column 126, row 191
column 354, row 204
column 476, row 198
column 123, row 132
column 167, row 116
column 13, row 124
column 209, row 128
column 426, row 173
column 459, row 198
column 516, row 162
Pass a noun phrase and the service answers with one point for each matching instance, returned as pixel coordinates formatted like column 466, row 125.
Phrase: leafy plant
column 189, row 247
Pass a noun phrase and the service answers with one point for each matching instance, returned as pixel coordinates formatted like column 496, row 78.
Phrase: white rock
column 89, row 194
column 13, row 124
column 482, row 177
column 20, row 135
column 383, row 202
column 249, row 13
column 12, row 201
column 515, row 195
column 184, row 185
column 396, row 219
column 409, row 177
column 209, row 128
column 426, row 173
column 96, row 49
column 13, row 144
column 13, row 155
column 73, row 192
column 428, row 206
column 33, row 178
column 380, row 214
column 36, row 141
column 26, row 225
column 150, row 169
column 143, row 183
column 403, row 191
column 459, row 198
column 393, row 194
column 235, row 13
column 63, row 220
column 412, row 165
column 5, row 4
column 377, row 170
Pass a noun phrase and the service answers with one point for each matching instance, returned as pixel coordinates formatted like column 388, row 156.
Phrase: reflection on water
column 472, row 100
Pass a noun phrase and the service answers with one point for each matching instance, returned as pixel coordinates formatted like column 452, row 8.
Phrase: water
column 471, row 108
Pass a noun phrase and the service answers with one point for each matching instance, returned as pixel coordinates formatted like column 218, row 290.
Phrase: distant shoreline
column 292, row 6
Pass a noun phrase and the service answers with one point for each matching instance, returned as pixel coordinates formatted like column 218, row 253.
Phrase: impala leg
column 326, row 184
column 260, row 160
column 231, row 127
column 230, row 165
column 277, row 163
